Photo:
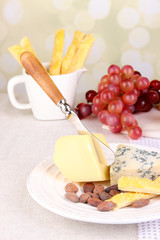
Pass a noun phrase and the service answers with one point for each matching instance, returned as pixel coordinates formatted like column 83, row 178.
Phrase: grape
column 135, row 132
column 132, row 109
column 155, row 84
column 104, row 78
column 113, row 119
column 152, row 96
column 148, row 107
column 114, row 69
column 115, row 106
column 142, row 83
column 126, row 85
column 142, row 104
column 80, row 104
column 136, row 91
column 129, row 98
column 98, row 102
column 116, row 129
column 126, row 110
column 145, row 91
column 135, row 124
column 114, row 88
column 127, row 71
column 106, row 96
column 90, row 95
column 78, row 113
column 120, row 100
column 85, row 110
column 137, row 73
column 127, row 119
column 102, row 85
column 134, row 78
column 95, row 109
column 114, row 78
column 102, row 116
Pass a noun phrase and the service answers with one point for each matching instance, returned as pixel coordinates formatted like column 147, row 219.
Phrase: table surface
column 24, row 143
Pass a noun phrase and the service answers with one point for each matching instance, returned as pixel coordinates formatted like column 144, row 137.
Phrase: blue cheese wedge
column 132, row 161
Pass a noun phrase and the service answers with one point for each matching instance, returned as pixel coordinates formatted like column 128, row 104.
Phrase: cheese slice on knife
column 80, row 159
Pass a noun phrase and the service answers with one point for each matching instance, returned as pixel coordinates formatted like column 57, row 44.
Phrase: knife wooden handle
column 33, row 67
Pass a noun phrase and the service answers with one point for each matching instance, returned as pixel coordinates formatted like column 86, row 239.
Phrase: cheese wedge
column 132, row 161
column 142, row 185
column 78, row 160
column 125, row 199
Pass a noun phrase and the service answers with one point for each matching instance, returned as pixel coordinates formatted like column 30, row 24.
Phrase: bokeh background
column 127, row 32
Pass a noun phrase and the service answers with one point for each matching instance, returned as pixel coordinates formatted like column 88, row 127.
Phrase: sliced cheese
column 132, row 161
column 136, row 184
column 122, row 200
column 77, row 159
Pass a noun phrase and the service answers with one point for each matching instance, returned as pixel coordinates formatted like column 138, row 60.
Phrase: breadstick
column 78, row 36
column 57, row 55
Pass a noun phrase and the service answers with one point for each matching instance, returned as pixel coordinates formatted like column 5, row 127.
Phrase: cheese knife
column 34, row 67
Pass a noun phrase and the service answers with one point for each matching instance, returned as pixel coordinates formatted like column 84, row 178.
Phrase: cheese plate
column 46, row 186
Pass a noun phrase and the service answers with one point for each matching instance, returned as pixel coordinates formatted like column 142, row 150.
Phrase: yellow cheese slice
column 77, row 159
column 136, row 184
column 125, row 199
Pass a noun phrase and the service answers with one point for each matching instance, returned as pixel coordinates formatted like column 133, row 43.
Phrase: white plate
column 46, row 186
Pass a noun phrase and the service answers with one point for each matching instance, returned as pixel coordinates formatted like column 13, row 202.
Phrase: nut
column 71, row 187
column 104, row 196
column 88, row 187
column 113, row 187
column 114, row 192
column 93, row 195
column 94, row 202
column 72, row 197
column 84, row 197
column 140, row 203
column 106, row 206
column 98, row 189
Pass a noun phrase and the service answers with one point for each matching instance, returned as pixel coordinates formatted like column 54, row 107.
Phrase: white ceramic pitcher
column 41, row 105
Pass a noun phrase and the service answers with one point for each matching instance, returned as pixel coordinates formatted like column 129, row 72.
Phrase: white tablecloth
column 25, row 142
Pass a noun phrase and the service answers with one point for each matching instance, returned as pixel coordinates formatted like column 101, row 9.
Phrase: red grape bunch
column 121, row 92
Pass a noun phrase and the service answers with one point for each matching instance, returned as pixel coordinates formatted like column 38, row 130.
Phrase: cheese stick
column 26, row 45
column 16, row 51
column 57, row 55
column 82, row 53
column 78, row 36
